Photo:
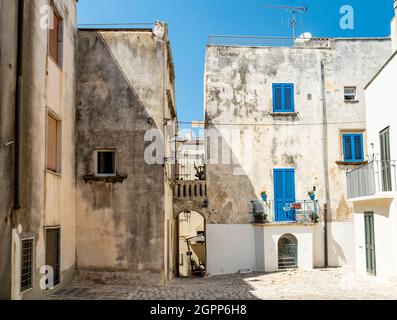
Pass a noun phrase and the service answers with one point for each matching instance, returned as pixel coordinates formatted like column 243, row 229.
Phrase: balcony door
column 284, row 194
column 370, row 242
column 385, row 160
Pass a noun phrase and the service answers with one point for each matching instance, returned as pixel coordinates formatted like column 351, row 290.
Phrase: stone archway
column 287, row 252
column 191, row 248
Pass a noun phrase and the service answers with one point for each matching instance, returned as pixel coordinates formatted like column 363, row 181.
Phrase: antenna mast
column 292, row 10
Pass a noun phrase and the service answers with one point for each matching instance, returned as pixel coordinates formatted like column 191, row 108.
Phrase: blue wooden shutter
column 358, row 147
column 277, row 98
column 347, row 147
column 288, row 97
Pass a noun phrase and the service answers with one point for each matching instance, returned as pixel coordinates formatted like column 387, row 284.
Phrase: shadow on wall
column 127, row 216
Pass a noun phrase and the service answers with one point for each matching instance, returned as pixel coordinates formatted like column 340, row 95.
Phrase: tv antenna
column 293, row 10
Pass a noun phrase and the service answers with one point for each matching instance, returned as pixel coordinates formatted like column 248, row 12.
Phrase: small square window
column 350, row 93
column 105, row 163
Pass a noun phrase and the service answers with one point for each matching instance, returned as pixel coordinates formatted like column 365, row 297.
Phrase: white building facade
column 285, row 121
column 373, row 187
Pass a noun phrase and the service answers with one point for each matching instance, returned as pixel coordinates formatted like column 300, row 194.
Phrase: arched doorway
column 191, row 254
column 287, row 252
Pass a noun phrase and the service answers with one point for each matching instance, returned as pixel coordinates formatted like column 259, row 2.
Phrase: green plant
column 200, row 174
column 263, row 193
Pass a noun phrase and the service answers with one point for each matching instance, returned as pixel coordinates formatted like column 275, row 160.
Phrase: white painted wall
column 233, row 247
column 385, row 223
column 394, row 33
column 304, row 235
column 381, row 97
column 230, row 247
column 340, row 243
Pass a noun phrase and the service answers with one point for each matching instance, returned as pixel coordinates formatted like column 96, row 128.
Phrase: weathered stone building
column 125, row 88
column 288, row 117
column 37, row 150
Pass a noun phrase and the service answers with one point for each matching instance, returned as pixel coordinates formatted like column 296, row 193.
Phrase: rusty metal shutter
column 53, row 40
column 53, row 252
column 52, row 143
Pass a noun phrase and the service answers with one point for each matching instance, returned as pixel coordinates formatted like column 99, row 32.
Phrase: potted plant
column 312, row 195
column 264, row 195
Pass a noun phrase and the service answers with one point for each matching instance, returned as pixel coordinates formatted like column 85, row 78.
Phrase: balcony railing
column 375, row 177
column 190, row 189
column 304, row 211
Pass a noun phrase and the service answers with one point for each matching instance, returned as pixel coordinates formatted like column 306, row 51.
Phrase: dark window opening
column 106, row 163
column 350, row 93
column 26, row 264
column 53, row 253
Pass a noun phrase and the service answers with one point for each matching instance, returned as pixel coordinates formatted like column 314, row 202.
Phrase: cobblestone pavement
column 330, row 284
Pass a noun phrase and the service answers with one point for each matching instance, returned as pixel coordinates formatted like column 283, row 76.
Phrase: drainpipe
column 18, row 107
column 325, row 155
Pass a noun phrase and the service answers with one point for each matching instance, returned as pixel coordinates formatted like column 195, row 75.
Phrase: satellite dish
column 304, row 37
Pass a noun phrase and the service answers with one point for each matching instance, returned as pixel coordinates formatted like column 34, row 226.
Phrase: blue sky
column 192, row 21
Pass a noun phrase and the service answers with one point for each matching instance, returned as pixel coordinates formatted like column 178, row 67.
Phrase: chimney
column 394, row 28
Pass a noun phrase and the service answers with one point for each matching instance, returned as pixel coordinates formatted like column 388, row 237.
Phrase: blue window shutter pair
column 353, row 147
column 283, row 97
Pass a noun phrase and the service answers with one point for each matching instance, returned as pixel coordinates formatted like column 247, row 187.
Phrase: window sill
column 56, row 63
column 284, row 114
column 351, row 163
column 111, row 179
column 58, row 174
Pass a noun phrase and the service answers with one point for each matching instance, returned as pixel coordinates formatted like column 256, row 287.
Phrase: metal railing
column 267, row 41
column 372, row 178
column 305, row 211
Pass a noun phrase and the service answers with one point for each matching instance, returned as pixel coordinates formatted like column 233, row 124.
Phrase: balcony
column 190, row 189
column 376, row 179
column 302, row 211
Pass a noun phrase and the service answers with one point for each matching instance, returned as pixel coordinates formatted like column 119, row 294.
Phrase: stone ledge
column 115, row 179
column 348, row 163
column 284, row 114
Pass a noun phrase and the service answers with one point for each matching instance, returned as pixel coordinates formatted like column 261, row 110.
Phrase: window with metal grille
column 53, row 252
column 106, row 163
column 26, row 264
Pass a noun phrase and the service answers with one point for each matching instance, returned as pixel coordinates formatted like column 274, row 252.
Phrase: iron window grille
column 27, row 264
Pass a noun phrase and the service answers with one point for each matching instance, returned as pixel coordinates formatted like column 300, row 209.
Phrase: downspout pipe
column 18, row 106
column 325, row 159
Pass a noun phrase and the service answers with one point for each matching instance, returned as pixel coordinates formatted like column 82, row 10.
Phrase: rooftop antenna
column 293, row 10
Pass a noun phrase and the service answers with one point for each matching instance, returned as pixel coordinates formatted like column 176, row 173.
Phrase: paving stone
column 332, row 284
